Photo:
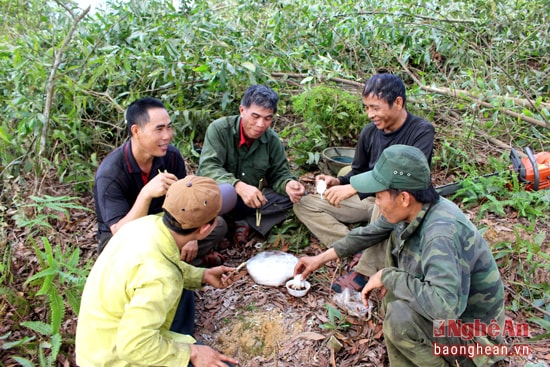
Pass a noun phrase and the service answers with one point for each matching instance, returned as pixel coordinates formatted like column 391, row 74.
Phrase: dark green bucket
column 336, row 158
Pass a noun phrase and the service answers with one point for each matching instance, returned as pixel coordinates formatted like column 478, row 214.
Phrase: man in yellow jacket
column 133, row 289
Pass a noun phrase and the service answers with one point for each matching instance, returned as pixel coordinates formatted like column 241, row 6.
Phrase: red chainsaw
column 533, row 171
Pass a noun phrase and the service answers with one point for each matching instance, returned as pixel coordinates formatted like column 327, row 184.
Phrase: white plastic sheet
column 272, row 268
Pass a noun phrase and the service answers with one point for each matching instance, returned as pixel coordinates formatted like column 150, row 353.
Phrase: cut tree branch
column 468, row 96
column 50, row 85
column 541, row 310
column 419, row 16
column 460, row 93
column 106, row 96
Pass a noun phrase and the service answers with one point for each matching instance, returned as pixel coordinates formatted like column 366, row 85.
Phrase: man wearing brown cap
column 441, row 271
column 132, row 293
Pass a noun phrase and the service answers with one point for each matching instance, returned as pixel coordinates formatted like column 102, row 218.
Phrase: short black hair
column 427, row 196
column 137, row 112
column 262, row 96
column 385, row 86
column 171, row 222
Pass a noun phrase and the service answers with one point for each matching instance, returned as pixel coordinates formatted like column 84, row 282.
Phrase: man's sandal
column 352, row 280
column 211, row 260
column 242, row 232
column 354, row 261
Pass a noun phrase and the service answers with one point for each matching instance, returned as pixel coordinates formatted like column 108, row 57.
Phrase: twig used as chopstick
column 240, row 267
column 261, row 185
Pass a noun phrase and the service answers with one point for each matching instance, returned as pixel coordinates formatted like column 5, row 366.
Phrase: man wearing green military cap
column 440, row 271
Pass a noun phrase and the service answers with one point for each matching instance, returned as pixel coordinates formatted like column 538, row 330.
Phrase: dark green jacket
column 222, row 159
column 445, row 269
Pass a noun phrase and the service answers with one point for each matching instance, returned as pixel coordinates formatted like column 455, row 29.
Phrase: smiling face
column 255, row 120
column 383, row 116
column 152, row 138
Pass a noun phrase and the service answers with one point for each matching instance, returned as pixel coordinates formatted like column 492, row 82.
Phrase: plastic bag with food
column 351, row 302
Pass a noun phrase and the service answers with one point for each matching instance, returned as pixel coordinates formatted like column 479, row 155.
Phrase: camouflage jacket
column 445, row 269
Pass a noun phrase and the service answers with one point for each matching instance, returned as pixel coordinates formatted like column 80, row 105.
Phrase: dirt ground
column 265, row 326
column 261, row 325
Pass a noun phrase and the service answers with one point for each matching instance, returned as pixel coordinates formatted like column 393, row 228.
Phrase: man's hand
column 159, row 185
column 334, row 195
column 295, row 190
column 329, row 180
column 251, row 196
column 204, row 356
column 308, row 264
column 189, row 251
column 155, row 188
column 219, row 276
column 374, row 282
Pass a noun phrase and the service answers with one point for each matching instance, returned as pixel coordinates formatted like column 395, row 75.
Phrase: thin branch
column 509, row 289
column 105, row 95
column 498, row 142
column 464, row 93
column 419, row 16
column 302, row 76
column 468, row 96
column 50, row 85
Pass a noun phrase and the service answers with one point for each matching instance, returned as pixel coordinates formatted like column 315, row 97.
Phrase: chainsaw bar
column 533, row 171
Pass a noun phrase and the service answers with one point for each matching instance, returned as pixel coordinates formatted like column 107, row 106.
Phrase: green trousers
column 410, row 341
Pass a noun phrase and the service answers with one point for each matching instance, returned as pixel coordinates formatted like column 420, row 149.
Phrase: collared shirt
column 444, row 268
column 226, row 161
column 118, row 181
column 243, row 139
column 130, row 299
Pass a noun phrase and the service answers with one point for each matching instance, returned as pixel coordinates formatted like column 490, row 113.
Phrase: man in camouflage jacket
column 441, row 272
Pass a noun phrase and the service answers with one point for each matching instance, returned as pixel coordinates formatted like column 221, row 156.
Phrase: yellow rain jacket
column 130, row 299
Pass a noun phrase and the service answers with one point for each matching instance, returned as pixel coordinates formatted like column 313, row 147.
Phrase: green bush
column 326, row 116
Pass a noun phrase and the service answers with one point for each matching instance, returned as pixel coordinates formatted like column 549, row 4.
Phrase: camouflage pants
column 410, row 341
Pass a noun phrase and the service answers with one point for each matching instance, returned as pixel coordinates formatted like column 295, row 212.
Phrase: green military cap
column 400, row 167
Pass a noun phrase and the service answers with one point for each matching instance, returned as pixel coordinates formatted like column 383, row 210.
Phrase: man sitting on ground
column 441, row 271
column 132, row 180
column 132, row 292
column 245, row 152
column 328, row 218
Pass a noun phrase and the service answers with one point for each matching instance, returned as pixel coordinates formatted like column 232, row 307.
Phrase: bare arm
column 308, row 264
